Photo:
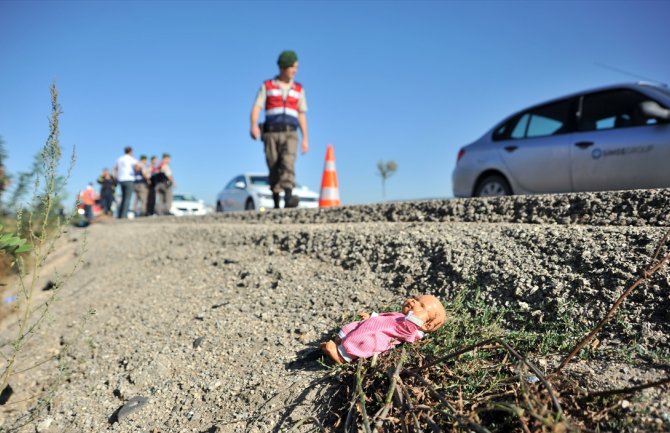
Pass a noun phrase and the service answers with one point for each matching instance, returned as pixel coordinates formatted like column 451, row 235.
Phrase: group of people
column 283, row 100
column 149, row 180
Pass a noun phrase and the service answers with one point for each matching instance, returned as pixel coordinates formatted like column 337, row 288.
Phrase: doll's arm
column 365, row 316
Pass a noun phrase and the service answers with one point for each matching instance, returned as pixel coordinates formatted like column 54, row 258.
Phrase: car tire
column 493, row 186
column 219, row 208
column 249, row 205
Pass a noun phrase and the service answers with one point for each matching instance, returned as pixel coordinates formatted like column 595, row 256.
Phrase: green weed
column 38, row 227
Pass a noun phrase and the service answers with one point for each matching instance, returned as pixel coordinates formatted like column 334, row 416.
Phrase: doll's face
column 427, row 308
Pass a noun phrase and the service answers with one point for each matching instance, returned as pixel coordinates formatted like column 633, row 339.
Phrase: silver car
column 251, row 191
column 610, row 138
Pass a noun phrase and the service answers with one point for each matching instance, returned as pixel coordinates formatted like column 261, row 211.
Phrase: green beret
column 143, row 157
column 166, row 155
column 287, row 59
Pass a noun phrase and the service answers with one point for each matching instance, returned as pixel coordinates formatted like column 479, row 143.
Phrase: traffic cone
column 330, row 195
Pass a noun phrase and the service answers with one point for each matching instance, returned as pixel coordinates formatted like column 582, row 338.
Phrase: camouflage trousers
column 280, row 155
column 163, row 198
column 141, row 193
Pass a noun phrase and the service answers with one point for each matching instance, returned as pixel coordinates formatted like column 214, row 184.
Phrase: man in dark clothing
column 107, row 186
column 153, row 168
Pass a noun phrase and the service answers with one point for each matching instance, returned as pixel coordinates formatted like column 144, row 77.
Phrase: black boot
column 289, row 199
column 275, row 198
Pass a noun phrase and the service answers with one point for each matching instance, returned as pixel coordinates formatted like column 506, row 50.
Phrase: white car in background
column 187, row 204
column 251, row 191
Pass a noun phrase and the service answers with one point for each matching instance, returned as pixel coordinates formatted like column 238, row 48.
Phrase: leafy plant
column 42, row 227
column 13, row 245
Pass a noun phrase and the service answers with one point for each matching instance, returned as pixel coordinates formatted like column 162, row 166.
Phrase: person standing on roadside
column 163, row 182
column 107, row 186
column 141, row 186
column 283, row 100
column 153, row 168
column 124, row 173
column 88, row 201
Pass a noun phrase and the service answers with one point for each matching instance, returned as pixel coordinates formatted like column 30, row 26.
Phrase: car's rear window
column 184, row 197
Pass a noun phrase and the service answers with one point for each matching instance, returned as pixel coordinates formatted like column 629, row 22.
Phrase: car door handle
column 511, row 148
column 584, row 144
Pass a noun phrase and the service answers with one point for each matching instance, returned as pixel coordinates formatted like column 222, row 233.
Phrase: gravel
column 210, row 324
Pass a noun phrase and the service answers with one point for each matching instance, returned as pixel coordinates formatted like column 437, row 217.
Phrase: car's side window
column 519, row 130
column 551, row 119
column 505, row 130
column 613, row 109
column 541, row 126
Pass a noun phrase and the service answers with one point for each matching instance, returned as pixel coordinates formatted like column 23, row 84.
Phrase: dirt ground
column 211, row 324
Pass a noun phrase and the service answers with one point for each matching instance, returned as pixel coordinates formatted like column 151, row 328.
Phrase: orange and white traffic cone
column 330, row 195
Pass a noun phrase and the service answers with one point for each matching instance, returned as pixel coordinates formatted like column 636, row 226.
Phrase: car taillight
column 460, row 155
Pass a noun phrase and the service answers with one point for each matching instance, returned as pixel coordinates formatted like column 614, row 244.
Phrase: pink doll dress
column 377, row 334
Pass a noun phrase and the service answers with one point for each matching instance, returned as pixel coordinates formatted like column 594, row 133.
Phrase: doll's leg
column 330, row 349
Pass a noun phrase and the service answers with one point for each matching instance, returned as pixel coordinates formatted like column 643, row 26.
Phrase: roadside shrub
column 39, row 224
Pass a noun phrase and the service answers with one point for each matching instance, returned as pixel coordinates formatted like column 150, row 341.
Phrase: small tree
column 386, row 170
column 42, row 175
column 4, row 178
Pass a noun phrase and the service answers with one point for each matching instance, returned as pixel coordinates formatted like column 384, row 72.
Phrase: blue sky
column 385, row 80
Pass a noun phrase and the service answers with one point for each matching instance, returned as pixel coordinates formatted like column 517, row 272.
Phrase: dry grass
column 474, row 375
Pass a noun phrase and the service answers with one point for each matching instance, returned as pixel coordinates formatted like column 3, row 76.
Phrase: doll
column 380, row 332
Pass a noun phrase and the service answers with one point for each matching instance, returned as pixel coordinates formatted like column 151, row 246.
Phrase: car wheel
column 493, row 186
column 219, row 208
column 249, row 205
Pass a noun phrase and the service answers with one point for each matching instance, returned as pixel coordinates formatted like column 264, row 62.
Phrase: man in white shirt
column 124, row 172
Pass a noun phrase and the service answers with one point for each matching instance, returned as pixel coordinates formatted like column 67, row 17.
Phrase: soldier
column 141, row 186
column 163, row 183
column 285, row 106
